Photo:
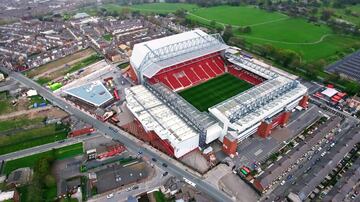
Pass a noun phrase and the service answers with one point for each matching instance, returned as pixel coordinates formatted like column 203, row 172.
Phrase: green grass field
column 5, row 104
column 311, row 41
column 236, row 16
column 107, row 37
column 152, row 7
column 29, row 161
column 214, row 91
column 31, row 138
column 18, row 123
column 85, row 62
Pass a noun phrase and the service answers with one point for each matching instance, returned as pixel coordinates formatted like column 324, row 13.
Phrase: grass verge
column 30, row 161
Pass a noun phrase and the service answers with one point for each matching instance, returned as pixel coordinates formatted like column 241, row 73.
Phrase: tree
column 247, row 29
column 124, row 13
column 314, row 11
column 219, row 29
column 213, row 23
column 313, row 18
column 228, row 33
column 181, row 13
column 49, row 181
column 268, row 50
column 348, row 11
column 237, row 41
column 326, row 14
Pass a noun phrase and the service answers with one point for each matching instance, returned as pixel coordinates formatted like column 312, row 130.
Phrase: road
column 121, row 136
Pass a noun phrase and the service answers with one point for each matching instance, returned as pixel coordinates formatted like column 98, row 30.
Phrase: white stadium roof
column 152, row 56
column 245, row 111
column 155, row 116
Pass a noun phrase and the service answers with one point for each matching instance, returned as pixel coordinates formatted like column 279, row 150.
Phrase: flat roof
column 6, row 195
column 94, row 93
column 329, row 92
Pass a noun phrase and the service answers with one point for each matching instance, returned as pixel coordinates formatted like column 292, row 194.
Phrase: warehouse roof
column 94, row 93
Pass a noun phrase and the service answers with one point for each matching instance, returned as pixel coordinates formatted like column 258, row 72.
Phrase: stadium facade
column 165, row 66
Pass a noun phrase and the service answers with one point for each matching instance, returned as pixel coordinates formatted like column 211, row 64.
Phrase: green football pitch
column 214, row 91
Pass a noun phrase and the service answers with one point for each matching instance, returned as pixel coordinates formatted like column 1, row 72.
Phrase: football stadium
column 191, row 90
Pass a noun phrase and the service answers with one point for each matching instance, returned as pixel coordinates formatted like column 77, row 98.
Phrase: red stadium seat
column 191, row 72
column 191, row 75
column 246, row 75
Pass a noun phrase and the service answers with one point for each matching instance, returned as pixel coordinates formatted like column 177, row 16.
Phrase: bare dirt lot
column 52, row 68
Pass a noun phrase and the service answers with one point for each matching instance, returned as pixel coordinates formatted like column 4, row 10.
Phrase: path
column 289, row 43
column 263, row 39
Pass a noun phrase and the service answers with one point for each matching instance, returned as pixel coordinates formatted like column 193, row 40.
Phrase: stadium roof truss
column 262, row 100
column 157, row 116
column 250, row 66
column 257, row 97
column 200, row 121
column 160, row 58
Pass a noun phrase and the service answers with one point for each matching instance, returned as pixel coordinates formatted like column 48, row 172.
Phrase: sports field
column 236, row 15
column 214, row 91
column 311, row 41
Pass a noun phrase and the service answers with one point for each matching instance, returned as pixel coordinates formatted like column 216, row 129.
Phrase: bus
column 243, row 171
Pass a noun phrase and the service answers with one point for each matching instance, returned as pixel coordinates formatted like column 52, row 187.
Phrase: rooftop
column 152, row 56
column 248, row 108
column 157, row 116
column 94, row 93
column 6, row 195
column 329, row 92
column 81, row 15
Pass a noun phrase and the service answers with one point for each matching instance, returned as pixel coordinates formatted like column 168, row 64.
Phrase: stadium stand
column 191, row 72
column 173, row 125
column 245, row 75
column 349, row 66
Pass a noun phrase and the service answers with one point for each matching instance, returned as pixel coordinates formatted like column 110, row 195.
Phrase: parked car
column 109, row 196
column 135, row 187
